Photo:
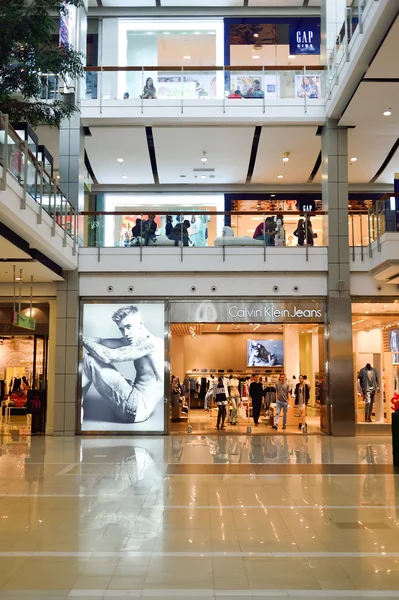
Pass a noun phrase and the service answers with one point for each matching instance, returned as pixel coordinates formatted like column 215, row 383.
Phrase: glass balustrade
column 18, row 162
column 177, row 85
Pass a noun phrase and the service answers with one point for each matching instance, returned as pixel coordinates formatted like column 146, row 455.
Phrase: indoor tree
column 27, row 50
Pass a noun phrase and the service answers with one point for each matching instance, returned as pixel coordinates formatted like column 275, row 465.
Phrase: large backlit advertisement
column 265, row 353
column 122, row 367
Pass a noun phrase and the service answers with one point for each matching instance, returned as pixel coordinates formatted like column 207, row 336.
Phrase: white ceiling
column 374, row 134
column 385, row 63
column 179, row 150
column 8, row 250
column 106, row 144
column 274, row 142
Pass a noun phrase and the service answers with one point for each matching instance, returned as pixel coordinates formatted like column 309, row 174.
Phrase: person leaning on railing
column 149, row 91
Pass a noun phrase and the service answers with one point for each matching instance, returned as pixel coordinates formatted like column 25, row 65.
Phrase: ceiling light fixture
column 291, row 56
column 354, row 159
column 182, row 176
column 256, row 35
column 187, row 57
column 387, row 113
column 255, row 56
column 286, row 157
column 204, row 158
column 280, row 176
column 203, row 176
column 272, row 195
column 124, row 176
column 120, row 160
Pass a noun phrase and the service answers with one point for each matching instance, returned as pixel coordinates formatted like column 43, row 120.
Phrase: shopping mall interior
column 199, row 309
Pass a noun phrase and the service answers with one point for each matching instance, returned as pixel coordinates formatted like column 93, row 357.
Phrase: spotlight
column 286, row 157
column 387, row 113
column 204, row 158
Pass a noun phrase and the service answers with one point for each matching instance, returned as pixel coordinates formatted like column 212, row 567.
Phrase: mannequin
column 279, row 238
column 234, row 393
column 368, row 380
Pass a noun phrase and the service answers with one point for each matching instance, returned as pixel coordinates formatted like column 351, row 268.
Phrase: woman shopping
column 302, row 394
column 221, row 395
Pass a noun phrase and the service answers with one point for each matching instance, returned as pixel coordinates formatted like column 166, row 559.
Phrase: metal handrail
column 40, row 174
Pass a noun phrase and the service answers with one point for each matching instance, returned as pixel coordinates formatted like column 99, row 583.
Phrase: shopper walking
column 283, row 395
column 256, row 394
column 302, row 394
column 221, row 401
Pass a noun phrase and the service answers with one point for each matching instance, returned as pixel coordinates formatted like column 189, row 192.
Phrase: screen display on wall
column 394, row 340
column 123, row 367
column 265, row 353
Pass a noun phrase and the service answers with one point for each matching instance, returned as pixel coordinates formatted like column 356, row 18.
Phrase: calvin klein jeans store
column 126, row 375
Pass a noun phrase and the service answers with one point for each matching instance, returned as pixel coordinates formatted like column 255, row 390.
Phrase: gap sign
column 23, row 321
column 305, row 37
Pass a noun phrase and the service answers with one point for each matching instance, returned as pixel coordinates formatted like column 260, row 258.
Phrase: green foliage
column 27, row 51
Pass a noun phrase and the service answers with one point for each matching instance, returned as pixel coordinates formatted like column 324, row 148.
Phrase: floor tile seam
column 236, row 593
column 197, row 554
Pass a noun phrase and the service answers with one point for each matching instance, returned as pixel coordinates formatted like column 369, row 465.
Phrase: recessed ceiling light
column 203, row 176
column 204, row 158
column 255, row 56
column 124, row 176
column 120, row 160
column 280, row 176
column 256, row 34
column 272, row 195
column 187, row 57
column 291, row 56
column 354, row 159
column 387, row 113
column 286, row 159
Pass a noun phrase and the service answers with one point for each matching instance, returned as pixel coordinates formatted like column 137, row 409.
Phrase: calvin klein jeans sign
column 247, row 312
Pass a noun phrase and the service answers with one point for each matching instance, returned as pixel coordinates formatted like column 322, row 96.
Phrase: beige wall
column 212, row 351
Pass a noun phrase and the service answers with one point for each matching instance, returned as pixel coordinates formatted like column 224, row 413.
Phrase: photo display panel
column 123, row 367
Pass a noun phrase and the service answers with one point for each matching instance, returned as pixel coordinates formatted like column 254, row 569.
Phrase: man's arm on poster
column 118, row 354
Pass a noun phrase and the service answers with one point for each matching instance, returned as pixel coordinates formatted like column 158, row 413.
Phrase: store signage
column 23, row 321
column 305, row 37
column 268, row 311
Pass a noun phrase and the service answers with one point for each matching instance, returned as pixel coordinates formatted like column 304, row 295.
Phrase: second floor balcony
column 285, row 94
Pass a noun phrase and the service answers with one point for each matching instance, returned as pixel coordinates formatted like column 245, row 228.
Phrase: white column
column 51, row 366
column 291, row 351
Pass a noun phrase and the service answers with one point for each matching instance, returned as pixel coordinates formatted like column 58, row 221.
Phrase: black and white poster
column 122, row 367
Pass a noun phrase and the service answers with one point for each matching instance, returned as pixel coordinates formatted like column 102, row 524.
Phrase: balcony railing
column 181, row 232
column 18, row 162
column 214, row 86
column 356, row 17
column 367, row 228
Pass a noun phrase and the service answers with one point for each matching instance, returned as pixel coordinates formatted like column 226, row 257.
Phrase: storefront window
column 203, row 229
column 376, row 359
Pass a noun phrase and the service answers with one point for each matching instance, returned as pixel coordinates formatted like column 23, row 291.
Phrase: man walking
column 283, row 395
column 256, row 394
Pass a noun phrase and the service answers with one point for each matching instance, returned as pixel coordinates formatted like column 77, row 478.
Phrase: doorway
column 202, row 352
column 23, row 366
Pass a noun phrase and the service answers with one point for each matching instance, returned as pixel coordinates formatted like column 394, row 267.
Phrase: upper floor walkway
column 31, row 204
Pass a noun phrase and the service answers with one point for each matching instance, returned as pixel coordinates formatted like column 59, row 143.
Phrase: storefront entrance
column 263, row 338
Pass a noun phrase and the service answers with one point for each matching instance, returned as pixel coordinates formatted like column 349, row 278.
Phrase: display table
column 292, row 415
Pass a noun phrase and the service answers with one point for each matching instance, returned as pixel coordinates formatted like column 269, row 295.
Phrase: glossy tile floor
column 198, row 517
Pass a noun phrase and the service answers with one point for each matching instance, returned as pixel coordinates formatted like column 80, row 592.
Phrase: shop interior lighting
column 203, row 176
column 124, row 176
column 255, row 56
column 280, row 176
column 256, row 35
column 120, row 160
column 354, row 159
column 388, row 112
column 272, row 195
column 256, row 327
column 286, row 157
column 187, row 57
column 204, row 158
column 218, row 327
